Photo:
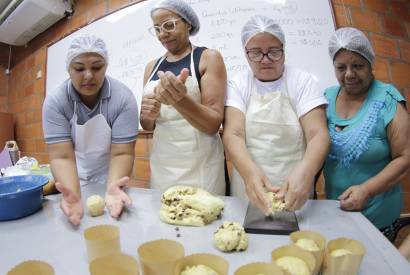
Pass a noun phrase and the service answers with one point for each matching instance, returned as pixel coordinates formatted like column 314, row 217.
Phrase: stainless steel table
column 46, row 235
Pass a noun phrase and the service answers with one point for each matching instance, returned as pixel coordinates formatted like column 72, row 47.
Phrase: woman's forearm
column 201, row 117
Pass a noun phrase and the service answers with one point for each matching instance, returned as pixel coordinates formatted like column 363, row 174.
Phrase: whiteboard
column 308, row 26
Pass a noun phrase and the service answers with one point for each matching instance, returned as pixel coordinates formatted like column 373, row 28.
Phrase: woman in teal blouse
column 369, row 130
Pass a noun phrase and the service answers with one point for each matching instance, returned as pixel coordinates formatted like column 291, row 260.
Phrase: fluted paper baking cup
column 114, row 264
column 319, row 239
column 159, row 257
column 102, row 240
column 259, row 268
column 346, row 264
column 32, row 267
column 297, row 252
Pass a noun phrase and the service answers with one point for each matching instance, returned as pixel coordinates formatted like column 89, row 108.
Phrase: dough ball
column 95, row 205
column 340, row 252
column 199, row 270
column 293, row 265
column 230, row 236
column 307, row 244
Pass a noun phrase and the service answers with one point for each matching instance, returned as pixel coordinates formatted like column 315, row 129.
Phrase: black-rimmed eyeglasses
column 167, row 26
column 258, row 55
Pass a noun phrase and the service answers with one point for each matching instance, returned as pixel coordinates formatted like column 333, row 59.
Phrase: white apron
column 274, row 137
column 92, row 146
column 181, row 154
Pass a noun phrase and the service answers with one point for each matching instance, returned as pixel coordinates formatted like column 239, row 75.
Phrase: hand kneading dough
column 307, row 244
column 293, row 265
column 199, row 270
column 95, row 205
column 230, row 236
column 277, row 205
column 185, row 205
column 340, row 252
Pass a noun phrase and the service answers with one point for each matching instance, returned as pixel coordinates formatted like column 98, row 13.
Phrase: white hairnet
column 183, row 9
column 259, row 24
column 86, row 43
column 353, row 40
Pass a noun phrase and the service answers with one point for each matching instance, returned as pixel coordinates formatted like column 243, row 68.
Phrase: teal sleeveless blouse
column 361, row 150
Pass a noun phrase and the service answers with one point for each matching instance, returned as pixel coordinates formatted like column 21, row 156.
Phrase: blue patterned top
column 361, row 149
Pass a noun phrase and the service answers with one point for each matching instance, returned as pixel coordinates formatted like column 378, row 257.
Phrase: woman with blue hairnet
column 183, row 102
column 275, row 124
column 369, row 130
column 90, row 125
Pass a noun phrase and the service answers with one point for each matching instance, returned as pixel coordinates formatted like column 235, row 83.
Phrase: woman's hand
column 70, row 204
column 150, row 107
column 256, row 186
column 354, row 198
column 171, row 89
column 297, row 188
column 116, row 198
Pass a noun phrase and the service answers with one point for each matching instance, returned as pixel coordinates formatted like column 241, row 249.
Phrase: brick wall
column 386, row 22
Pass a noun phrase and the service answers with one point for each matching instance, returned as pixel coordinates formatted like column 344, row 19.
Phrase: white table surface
column 47, row 235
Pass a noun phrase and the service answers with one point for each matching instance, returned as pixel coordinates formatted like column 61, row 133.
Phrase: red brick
column 29, row 90
column 347, row 2
column 30, row 146
column 117, row 4
column 385, row 46
column 401, row 9
column 408, row 29
column 407, row 95
column 142, row 169
column 141, row 149
column 41, row 146
column 376, row 5
column 394, row 26
column 405, row 51
column 381, row 69
column 3, row 100
column 406, row 182
column 400, row 74
column 341, row 17
column 29, row 117
column 406, row 199
column 97, row 11
column 365, row 20
column 78, row 20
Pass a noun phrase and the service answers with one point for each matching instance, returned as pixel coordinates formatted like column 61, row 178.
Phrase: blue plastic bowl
column 20, row 196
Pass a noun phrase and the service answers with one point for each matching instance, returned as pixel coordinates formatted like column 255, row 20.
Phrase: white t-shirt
column 303, row 91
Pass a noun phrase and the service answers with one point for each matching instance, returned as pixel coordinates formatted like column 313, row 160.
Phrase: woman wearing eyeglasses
column 275, row 123
column 183, row 103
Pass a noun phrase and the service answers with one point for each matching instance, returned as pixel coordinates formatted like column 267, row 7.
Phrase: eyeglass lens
column 273, row 55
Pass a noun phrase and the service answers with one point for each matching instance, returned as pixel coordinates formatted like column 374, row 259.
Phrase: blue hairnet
column 86, row 43
column 183, row 9
column 353, row 40
column 260, row 24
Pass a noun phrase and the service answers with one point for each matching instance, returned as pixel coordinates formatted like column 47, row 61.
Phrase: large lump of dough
column 230, row 236
column 185, row 205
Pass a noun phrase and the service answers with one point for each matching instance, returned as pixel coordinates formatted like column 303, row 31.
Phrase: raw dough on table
column 191, row 206
column 230, row 236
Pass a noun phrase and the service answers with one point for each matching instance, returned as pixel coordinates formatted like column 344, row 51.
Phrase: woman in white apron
column 81, row 124
column 183, row 104
column 275, row 124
